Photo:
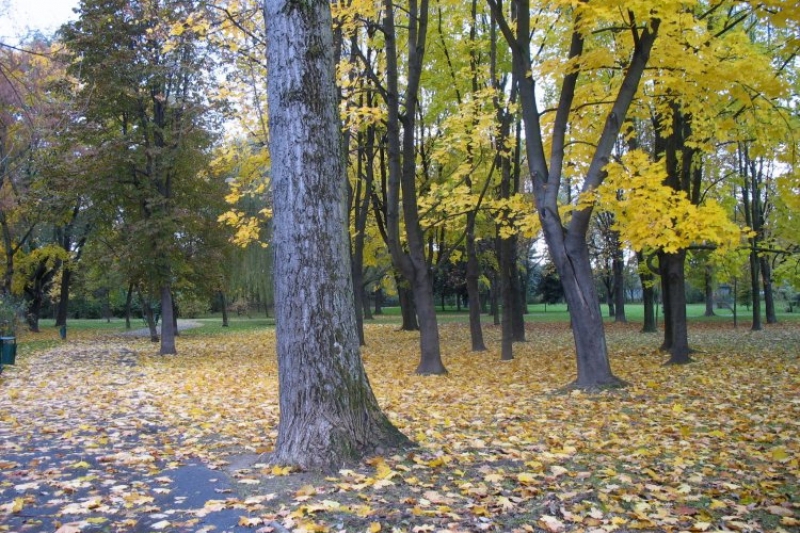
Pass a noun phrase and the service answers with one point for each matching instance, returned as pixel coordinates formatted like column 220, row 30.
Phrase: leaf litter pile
column 96, row 433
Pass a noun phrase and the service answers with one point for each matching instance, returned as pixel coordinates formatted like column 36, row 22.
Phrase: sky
column 19, row 16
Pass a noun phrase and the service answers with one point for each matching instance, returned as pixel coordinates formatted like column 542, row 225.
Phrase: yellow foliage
column 649, row 214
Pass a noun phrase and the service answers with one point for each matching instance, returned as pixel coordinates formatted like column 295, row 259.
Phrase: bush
column 193, row 308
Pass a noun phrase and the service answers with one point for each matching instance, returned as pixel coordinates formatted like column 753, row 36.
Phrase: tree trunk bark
column 673, row 266
column 328, row 414
column 769, row 297
column 408, row 309
column 378, row 301
column 128, row 301
column 518, row 298
column 149, row 317
column 168, row 328
column 224, row 301
column 63, row 297
column 708, row 283
column 571, row 257
column 755, row 288
column 647, row 280
column 618, row 267
column 507, row 299
column 473, row 288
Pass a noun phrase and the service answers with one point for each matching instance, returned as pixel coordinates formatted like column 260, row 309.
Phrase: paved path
column 83, row 450
column 145, row 332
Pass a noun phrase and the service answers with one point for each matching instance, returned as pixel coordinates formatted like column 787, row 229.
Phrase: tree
column 328, row 413
column 566, row 239
column 144, row 68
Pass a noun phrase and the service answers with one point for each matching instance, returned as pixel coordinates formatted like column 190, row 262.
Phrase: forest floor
column 99, row 434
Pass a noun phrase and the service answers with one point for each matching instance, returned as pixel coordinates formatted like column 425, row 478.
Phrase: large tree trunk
column 328, row 413
column 168, row 328
column 673, row 271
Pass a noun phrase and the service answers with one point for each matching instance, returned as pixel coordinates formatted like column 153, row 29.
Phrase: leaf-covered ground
column 101, row 435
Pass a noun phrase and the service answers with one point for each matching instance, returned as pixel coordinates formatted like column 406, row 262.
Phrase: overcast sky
column 17, row 17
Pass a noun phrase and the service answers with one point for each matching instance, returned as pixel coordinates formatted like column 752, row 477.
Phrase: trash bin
column 8, row 350
column 62, row 332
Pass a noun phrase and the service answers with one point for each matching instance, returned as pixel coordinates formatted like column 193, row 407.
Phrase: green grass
column 212, row 325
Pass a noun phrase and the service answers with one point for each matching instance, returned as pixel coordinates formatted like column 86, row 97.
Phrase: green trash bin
column 8, row 350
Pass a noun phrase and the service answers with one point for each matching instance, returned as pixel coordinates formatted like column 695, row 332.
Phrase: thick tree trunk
column 769, row 297
column 673, row 270
column 168, row 328
column 328, row 413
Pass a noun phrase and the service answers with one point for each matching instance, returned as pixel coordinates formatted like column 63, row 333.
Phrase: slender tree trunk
column 128, row 302
column 647, row 280
column 666, row 301
column 674, row 273
column 149, row 316
column 494, row 299
column 378, row 301
column 328, row 413
column 769, row 297
column 168, row 328
column 507, row 299
column 618, row 267
column 755, row 289
column 708, row 283
column 366, row 303
column 518, row 299
column 224, row 301
column 409, row 258
column 408, row 310
column 63, row 297
column 473, row 288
